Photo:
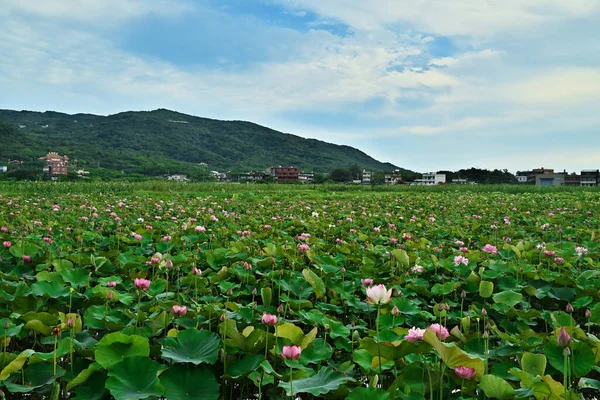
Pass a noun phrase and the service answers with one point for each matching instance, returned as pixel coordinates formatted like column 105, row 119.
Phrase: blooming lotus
column 291, row 352
column 461, row 260
column 6, row 244
column 415, row 334
column 142, row 284
column 488, row 248
column 465, row 372
column 178, row 310
column 378, row 295
column 440, row 331
column 366, row 282
column 269, row 319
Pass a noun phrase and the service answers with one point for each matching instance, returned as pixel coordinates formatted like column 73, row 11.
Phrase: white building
column 306, row 177
column 394, row 178
column 430, row 179
column 178, row 178
column 3, row 168
column 367, row 177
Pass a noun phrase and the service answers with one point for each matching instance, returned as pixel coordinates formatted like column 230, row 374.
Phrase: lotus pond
column 431, row 295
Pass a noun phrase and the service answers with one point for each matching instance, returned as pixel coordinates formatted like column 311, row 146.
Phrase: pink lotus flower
column 269, row 319
column 465, row 372
column 303, row 247
column 549, row 253
column 417, row 269
column 291, row 352
column 440, row 331
column 378, row 295
column 200, row 229
column 488, row 248
column 178, row 310
column 142, row 284
column 581, row 251
column 414, row 334
column 366, row 282
column 6, row 244
column 111, row 284
column 196, row 271
column 559, row 260
column 137, row 236
column 26, row 258
column 460, row 260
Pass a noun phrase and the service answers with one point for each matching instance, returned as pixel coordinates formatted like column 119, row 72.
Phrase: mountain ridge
column 160, row 141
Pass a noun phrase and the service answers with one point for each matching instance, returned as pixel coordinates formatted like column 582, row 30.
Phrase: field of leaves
column 449, row 295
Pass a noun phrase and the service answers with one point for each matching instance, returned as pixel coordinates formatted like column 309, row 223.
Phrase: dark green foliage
column 157, row 142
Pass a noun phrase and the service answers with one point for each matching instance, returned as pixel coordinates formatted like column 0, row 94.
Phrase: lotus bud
column 463, row 294
column 56, row 331
column 71, row 323
column 483, row 312
column 343, row 270
column 229, row 291
column 355, row 336
column 168, row 263
column 109, row 295
column 6, row 324
column 280, row 309
column 395, row 311
column 254, row 292
column 563, row 338
column 569, row 308
column 588, row 313
column 223, row 316
column 486, row 335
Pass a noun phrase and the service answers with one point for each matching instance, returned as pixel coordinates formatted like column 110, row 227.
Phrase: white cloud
column 455, row 17
column 563, row 86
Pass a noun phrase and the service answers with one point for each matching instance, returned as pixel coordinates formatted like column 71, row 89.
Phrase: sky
column 425, row 84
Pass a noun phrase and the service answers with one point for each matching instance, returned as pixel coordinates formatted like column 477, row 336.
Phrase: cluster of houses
column 548, row 177
column 54, row 166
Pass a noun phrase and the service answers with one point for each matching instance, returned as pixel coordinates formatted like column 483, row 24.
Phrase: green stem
column 441, row 380
column 378, row 345
column 55, row 344
column 430, row 380
column 71, row 352
column 291, row 382
column 565, row 370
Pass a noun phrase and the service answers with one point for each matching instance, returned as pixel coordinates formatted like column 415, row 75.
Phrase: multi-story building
column 284, row 174
column 56, row 165
column 367, row 177
column 430, row 179
column 572, row 179
column 548, row 179
column 590, row 177
column 307, row 177
column 395, row 178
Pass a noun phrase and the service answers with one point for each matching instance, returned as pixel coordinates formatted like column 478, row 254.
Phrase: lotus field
column 449, row 295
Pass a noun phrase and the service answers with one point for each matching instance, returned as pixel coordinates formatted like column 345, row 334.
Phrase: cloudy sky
column 425, row 84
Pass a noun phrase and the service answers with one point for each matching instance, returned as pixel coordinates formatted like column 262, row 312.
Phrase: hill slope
column 164, row 141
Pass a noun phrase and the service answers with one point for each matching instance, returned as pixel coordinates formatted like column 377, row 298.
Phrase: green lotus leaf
column 496, row 388
column 325, row 381
column 116, row 347
column 135, row 378
column 181, row 382
column 192, row 346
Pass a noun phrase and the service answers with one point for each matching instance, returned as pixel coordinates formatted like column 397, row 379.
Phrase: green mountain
column 162, row 141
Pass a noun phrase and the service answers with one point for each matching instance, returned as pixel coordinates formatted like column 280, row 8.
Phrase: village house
column 284, row 174
column 590, row 177
column 56, row 165
column 367, row 177
column 395, row 178
column 430, row 179
column 3, row 168
column 306, row 177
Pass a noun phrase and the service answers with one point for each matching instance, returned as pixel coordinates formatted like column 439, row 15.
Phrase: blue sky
column 424, row 84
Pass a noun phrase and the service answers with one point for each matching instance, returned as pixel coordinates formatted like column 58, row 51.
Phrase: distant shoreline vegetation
column 232, row 189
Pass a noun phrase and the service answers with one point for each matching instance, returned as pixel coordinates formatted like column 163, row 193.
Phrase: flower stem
column 378, row 345
column 291, row 383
